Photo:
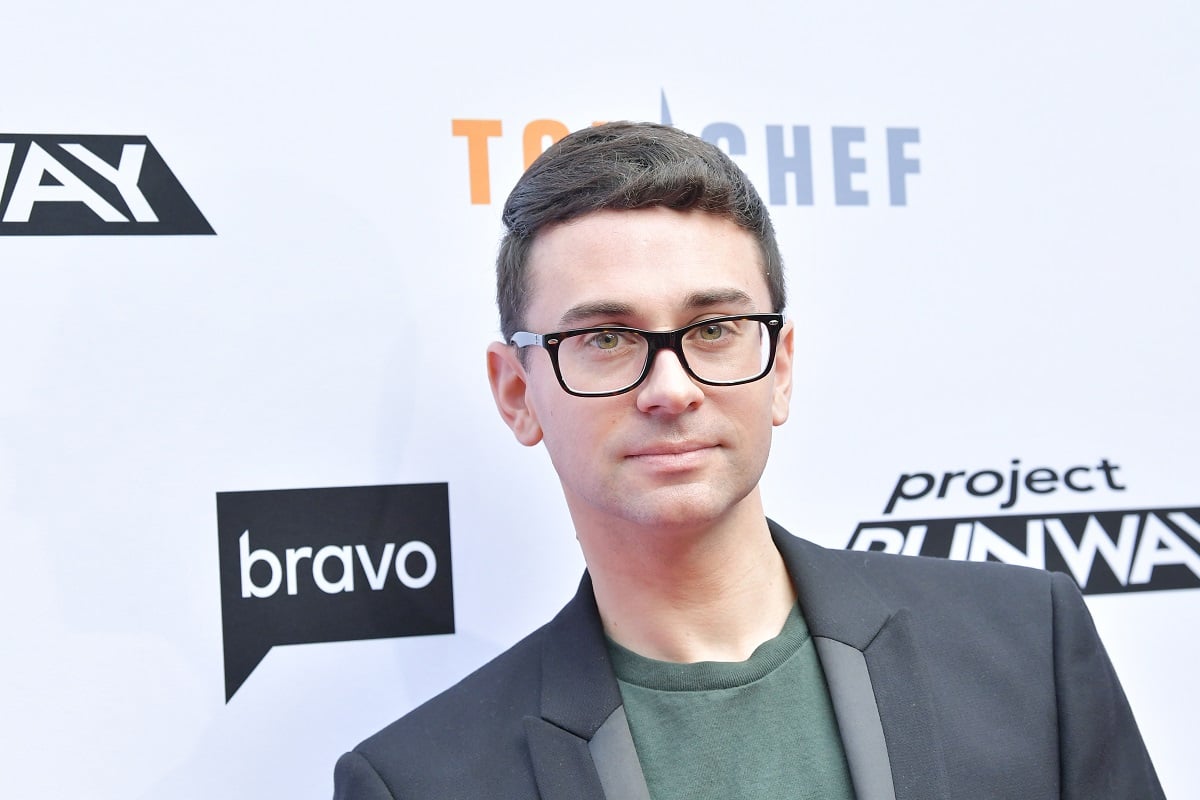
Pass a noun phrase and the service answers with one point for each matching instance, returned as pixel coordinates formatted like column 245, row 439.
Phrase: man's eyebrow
column 717, row 297
column 585, row 311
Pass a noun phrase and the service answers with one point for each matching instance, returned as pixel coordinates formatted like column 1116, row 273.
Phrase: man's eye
column 606, row 340
column 712, row 332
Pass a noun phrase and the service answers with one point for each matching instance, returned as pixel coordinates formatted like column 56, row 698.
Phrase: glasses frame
column 656, row 341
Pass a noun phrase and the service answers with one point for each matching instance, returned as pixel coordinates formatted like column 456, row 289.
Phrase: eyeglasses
column 600, row 362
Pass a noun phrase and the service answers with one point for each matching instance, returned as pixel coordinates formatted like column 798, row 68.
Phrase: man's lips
column 671, row 449
column 672, row 456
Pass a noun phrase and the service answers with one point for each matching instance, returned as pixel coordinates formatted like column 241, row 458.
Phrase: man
column 708, row 653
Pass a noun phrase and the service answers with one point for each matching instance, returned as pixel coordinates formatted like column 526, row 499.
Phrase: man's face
column 671, row 453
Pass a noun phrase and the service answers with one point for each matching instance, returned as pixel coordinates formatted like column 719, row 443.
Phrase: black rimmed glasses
column 600, row 362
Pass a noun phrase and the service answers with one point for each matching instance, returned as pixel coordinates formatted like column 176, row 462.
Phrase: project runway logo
column 84, row 185
column 300, row 566
column 1105, row 551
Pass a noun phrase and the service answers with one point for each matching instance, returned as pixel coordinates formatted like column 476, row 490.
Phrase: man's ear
column 509, row 388
column 782, row 371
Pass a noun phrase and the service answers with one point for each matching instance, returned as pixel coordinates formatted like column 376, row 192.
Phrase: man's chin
column 676, row 507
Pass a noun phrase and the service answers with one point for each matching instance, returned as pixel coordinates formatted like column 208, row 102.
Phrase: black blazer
column 949, row 680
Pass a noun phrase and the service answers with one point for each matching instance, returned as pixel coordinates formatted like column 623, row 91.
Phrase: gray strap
column 617, row 761
column 858, row 719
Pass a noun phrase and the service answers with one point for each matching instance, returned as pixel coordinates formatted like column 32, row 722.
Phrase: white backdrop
column 1035, row 299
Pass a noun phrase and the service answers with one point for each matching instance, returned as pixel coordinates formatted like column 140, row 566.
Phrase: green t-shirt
column 756, row 729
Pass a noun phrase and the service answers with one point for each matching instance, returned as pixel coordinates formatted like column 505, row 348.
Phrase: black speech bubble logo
column 300, row 566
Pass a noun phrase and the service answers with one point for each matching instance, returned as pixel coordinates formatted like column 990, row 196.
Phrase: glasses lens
column 602, row 361
column 728, row 351
column 717, row 351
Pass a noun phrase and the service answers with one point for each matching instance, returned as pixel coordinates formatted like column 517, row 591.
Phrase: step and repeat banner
column 255, row 499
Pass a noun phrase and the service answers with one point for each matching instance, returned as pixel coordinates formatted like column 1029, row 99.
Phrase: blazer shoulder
column 841, row 590
column 470, row 740
column 459, row 742
column 500, row 692
column 946, row 571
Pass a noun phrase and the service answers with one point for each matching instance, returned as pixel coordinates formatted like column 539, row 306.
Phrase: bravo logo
column 301, row 566
column 802, row 165
column 377, row 574
column 66, row 185
column 1105, row 551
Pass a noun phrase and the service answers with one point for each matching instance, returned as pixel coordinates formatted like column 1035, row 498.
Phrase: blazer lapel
column 854, row 705
column 581, row 747
column 875, row 671
column 562, row 764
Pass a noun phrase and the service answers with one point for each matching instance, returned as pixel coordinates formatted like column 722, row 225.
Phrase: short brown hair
column 625, row 165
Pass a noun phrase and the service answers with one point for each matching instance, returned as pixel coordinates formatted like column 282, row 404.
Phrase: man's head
column 623, row 166
column 621, row 236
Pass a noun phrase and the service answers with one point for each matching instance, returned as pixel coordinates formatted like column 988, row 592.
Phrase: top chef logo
column 329, row 565
column 70, row 185
column 792, row 174
column 1105, row 551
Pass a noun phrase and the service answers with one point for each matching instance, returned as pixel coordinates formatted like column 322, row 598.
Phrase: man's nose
column 668, row 388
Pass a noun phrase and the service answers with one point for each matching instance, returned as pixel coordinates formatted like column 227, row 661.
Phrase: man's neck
column 713, row 593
